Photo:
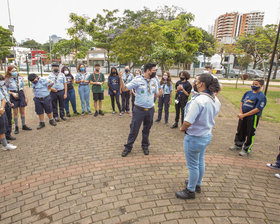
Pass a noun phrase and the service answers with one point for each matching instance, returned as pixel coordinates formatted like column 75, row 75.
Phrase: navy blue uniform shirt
column 252, row 100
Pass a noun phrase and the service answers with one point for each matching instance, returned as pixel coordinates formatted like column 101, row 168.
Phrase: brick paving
column 73, row 173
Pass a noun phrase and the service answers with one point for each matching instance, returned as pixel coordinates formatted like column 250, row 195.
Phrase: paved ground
column 73, row 173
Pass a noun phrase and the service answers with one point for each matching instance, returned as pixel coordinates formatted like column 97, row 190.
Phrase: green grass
column 271, row 111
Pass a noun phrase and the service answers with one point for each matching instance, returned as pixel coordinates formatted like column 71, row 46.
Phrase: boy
column 252, row 104
column 97, row 80
column 42, row 98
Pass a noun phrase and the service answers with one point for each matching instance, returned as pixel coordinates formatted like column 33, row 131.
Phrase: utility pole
column 50, row 49
column 11, row 28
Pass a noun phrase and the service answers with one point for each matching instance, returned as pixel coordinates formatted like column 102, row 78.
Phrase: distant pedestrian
column 127, row 78
column 114, row 83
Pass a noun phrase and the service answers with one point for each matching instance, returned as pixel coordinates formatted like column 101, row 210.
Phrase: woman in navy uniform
column 58, row 92
column 146, row 89
column 15, row 84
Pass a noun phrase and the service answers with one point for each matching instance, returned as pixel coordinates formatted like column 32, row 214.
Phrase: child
column 42, row 99
column 3, row 125
column 166, row 98
column 252, row 104
column 97, row 80
column 276, row 165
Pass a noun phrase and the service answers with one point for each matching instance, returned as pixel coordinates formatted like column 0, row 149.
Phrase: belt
column 58, row 91
column 143, row 109
column 15, row 91
column 41, row 98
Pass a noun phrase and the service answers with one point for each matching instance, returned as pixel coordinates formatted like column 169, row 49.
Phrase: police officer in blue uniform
column 42, row 98
column 146, row 89
column 58, row 91
column 127, row 78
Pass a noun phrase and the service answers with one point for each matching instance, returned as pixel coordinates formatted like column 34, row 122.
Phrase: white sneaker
column 243, row 153
column 277, row 175
column 9, row 147
column 120, row 114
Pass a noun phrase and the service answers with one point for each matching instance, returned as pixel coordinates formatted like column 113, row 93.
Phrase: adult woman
column 82, row 78
column 15, row 84
column 71, row 96
column 200, row 113
column 183, row 89
column 166, row 98
column 114, row 89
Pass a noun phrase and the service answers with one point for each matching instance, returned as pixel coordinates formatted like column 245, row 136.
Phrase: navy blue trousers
column 58, row 97
column 164, row 101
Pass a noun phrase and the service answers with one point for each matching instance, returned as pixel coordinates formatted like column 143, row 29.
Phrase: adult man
column 146, row 89
column 127, row 78
column 58, row 91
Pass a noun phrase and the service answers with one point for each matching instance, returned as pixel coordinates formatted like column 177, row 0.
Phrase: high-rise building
column 231, row 25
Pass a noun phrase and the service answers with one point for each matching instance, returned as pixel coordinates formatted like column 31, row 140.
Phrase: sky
column 37, row 19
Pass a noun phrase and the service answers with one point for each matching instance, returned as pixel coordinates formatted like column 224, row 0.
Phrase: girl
column 136, row 74
column 166, row 98
column 82, row 78
column 114, row 89
column 15, row 84
column 183, row 89
column 71, row 96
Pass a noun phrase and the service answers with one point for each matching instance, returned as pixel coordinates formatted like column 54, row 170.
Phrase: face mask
column 35, row 82
column 195, row 87
column 82, row 69
column 114, row 73
column 66, row 72
column 164, row 77
column 55, row 70
column 126, row 70
column 2, row 83
column 97, row 69
column 14, row 74
column 153, row 75
column 182, row 78
column 137, row 74
column 255, row 88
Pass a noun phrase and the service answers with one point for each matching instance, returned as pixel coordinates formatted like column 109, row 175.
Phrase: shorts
column 98, row 96
column 3, row 124
column 43, row 105
column 20, row 101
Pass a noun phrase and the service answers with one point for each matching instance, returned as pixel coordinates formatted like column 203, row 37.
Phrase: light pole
column 11, row 28
column 50, row 49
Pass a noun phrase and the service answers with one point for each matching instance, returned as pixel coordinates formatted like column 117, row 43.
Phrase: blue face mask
column 255, row 88
column 2, row 83
column 82, row 69
column 14, row 74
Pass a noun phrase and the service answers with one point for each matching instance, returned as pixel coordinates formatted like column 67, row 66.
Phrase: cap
column 31, row 77
column 55, row 64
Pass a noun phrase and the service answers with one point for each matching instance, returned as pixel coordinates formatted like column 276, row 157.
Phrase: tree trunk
column 108, row 62
column 1, row 64
column 162, row 69
column 276, row 66
column 255, row 64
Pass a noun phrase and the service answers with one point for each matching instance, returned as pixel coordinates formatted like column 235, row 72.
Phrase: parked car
column 254, row 73
column 233, row 73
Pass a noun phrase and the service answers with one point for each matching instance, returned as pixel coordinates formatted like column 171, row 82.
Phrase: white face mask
column 165, row 77
column 66, row 72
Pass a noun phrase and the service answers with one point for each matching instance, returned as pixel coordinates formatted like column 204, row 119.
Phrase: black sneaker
column 96, row 114
column 52, row 122
column 185, row 194
column 146, row 151
column 68, row 115
column 157, row 120
column 16, row 130
column 10, row 137
column 77, row 113
column 26, row 128
column 101, row 113
column 175, row 125
column 197, row 187
column 56, row 119
column 83, row 113
column 63, row 118
column 125, row 152
column 89, row 113
column 41, row 125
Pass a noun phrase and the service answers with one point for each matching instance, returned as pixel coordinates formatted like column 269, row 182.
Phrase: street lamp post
column 11, row 28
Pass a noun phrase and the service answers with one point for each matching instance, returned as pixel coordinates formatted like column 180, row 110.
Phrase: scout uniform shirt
column 15, row 84
column 40, row 89
column 166, row 89
column 253, row 100
column 59, row 80
column 83, row 76
column 97, row 78
column 127, row 78
column 4, row 91
column 145, row 92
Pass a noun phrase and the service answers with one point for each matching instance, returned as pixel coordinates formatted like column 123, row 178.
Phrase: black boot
column 101, row 113
column 26, row 128
column 185, row 194
column 16, row 130
column 52, row 122
column 125, row 152
column 9, row 137
column 175, row 125
column 146, row 151
column 41, row 125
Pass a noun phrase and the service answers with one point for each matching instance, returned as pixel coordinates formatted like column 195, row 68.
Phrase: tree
column 225, row 50
column 31, row 44
column 208, row 44
column 63, row 47
column 5, row 44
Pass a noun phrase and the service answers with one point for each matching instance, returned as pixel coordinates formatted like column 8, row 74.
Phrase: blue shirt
column 82, row 76
column 114, row 84
column 201, row 111
column 59, row 80
column 127, row 78
column 252, row 100
column 1, row 97
column 41, row 89
column 166, row 89
column 5, row 93
column 15, row 84
column 145, row 92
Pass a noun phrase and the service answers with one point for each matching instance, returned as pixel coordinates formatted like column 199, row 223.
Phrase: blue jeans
column 84, row 92
column 195, row 148
column 71, row 96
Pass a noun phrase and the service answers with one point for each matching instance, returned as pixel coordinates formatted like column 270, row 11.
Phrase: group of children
column 58, row 89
